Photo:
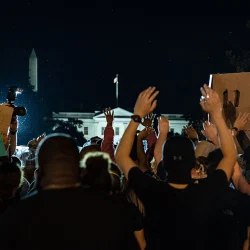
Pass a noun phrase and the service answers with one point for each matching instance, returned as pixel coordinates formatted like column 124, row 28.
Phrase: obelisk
column 33, row 71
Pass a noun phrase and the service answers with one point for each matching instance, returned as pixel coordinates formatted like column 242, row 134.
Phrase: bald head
column 58, row 160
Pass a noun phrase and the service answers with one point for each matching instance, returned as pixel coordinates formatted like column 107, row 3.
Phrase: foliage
column 238, row 57
column 70, row 127
column 241, row 60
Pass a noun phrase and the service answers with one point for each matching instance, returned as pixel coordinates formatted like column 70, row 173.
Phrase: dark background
column 82, row 45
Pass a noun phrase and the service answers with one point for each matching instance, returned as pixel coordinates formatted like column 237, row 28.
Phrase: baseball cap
column 179, row 159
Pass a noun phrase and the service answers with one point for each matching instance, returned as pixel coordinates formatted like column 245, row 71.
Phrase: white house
column 95, row 123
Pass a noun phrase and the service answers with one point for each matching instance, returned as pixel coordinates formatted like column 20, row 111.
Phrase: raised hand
column 210, row 101
column 145, row 133
column 146, row 102
column 148, row 120
column 109, row 116
column 210, row 131
column 241, row 121
column 191, row 132
column 163, row 125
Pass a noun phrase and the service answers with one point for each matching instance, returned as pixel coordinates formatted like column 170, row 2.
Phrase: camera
column 11, row 97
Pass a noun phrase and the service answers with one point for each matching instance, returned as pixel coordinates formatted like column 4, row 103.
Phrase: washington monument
column 33, row 71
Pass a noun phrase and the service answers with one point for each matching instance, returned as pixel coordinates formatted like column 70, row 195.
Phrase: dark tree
column 70, row 127
column 238, row 55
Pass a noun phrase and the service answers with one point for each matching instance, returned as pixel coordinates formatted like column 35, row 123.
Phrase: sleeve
column 209, row 195
column 108, row 142
column 161, row 172
column 142, row 184
column 217, row 183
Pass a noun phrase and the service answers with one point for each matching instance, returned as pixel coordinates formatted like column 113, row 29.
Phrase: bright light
column 19, row 91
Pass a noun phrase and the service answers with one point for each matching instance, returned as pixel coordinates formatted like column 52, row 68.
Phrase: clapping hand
column 146, row 102
column 109, row 116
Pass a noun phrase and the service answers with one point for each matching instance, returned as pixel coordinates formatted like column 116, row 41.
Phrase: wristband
column 236, row 129
column 136, row 118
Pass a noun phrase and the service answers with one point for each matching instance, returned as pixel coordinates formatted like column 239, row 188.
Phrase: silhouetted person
column 61, row 214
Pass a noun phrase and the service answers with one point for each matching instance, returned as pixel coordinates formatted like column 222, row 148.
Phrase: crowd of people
column 178, row 192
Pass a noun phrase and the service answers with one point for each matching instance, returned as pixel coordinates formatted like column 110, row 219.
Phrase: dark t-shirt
column 177, row 218
column 74, row 218
column 229, row 230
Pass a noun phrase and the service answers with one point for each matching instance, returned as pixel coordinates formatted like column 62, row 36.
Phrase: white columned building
column 95, row 123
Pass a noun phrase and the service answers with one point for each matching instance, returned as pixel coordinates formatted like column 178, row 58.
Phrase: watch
column 136, row 118
column 236, row 129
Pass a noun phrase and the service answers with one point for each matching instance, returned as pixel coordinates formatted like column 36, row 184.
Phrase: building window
column 103, row 128
column 117, row 131
column 86, row 131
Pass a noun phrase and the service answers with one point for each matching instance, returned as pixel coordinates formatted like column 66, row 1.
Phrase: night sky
column 81, row 48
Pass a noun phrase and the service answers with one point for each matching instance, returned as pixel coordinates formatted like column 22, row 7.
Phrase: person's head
column 87, row 149
column 213, row 160
column 11, row 177
column 32, row 144
column 95, row 171
column 200, row 169
column 178, row 159
column 95, row 139
column 57, row 159
column 204, row 148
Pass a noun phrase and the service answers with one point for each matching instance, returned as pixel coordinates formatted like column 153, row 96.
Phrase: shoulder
column 215, row 185
column 219, row 177
column 134, row 172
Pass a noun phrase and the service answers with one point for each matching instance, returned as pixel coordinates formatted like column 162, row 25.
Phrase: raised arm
column 239, row 181
column 238, row 130
column 163, row 128
column 13, row 137
column 141, row 155
column 145, row 104
column 210, row 132
column 192, row 134
column 108, row 140
column 211, row 104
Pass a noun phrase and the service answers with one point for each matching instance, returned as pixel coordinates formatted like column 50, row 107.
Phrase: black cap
column 179, row 159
